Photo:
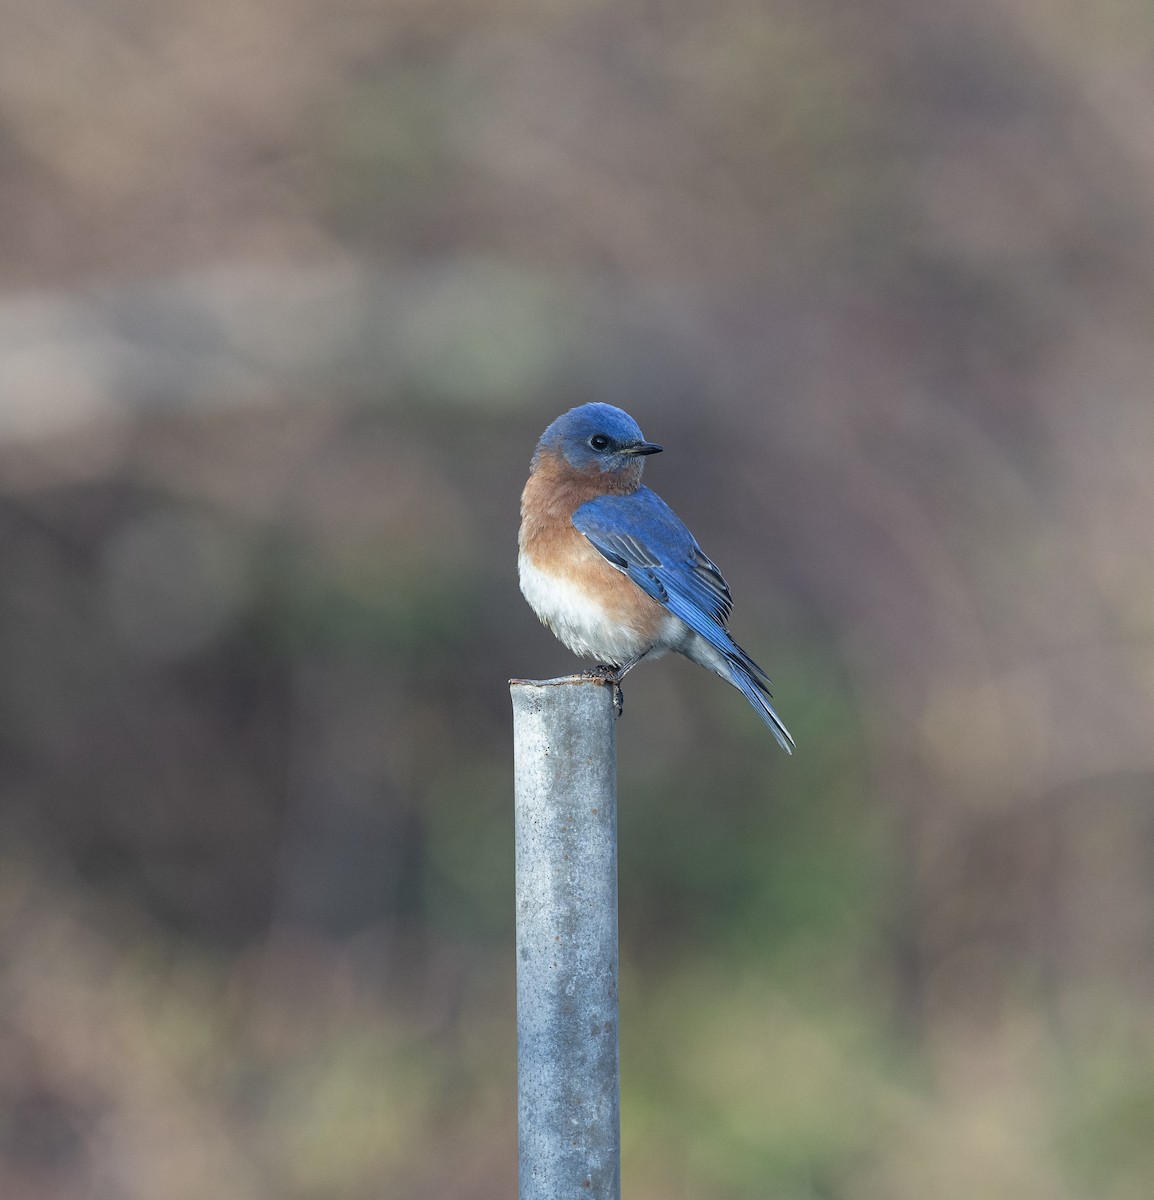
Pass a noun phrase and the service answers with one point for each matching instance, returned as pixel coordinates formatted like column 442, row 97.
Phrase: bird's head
column 596, row 437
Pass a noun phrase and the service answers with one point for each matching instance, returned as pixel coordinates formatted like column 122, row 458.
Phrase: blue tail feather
column 751, row 688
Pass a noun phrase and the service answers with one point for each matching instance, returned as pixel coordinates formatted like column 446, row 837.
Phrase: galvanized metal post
column 568, row 1079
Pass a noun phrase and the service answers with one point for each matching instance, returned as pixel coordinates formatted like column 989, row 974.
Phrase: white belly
column 580, row 623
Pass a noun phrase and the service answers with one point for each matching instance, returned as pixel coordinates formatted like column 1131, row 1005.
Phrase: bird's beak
column 642, row 448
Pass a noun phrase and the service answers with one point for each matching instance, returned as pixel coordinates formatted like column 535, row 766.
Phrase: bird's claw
column 611, row 676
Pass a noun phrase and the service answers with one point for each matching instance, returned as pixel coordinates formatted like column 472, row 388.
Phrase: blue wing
column 644, row 538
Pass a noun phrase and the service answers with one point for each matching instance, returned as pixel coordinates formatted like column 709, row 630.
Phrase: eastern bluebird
column 609, row 567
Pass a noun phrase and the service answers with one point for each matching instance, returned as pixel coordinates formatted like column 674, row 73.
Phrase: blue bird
column 611, row 569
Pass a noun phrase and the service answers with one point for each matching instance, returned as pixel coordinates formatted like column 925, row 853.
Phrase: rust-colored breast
column 552, row 495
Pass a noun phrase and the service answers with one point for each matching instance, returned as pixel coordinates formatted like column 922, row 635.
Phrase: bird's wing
column 643, row 537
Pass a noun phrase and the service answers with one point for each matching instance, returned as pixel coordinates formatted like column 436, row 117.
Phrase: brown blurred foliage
column 288, row 292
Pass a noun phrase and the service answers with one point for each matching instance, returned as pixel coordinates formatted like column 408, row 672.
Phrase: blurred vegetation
column 288, row 292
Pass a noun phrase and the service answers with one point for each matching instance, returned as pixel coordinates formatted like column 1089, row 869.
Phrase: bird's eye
column 599, row 441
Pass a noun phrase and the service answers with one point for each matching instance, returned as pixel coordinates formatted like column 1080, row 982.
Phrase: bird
column 612, row 570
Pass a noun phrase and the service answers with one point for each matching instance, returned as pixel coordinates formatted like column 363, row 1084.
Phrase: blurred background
column 288, row 290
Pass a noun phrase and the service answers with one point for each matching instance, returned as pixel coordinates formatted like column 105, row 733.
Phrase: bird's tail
column 753, row 683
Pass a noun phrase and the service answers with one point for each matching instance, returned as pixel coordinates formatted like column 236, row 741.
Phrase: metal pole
column 568, row 1081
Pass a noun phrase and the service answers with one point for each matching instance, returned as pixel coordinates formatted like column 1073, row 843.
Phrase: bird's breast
column 595, row 610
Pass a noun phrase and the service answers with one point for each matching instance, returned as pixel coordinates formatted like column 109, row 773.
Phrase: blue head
column 596, row 436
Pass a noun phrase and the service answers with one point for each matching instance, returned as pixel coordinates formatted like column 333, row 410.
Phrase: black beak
column 642, row 448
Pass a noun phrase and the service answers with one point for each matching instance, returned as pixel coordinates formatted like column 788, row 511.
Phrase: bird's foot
column 611, row 676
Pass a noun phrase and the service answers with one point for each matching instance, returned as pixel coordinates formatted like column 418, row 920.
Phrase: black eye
column 599, row 441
